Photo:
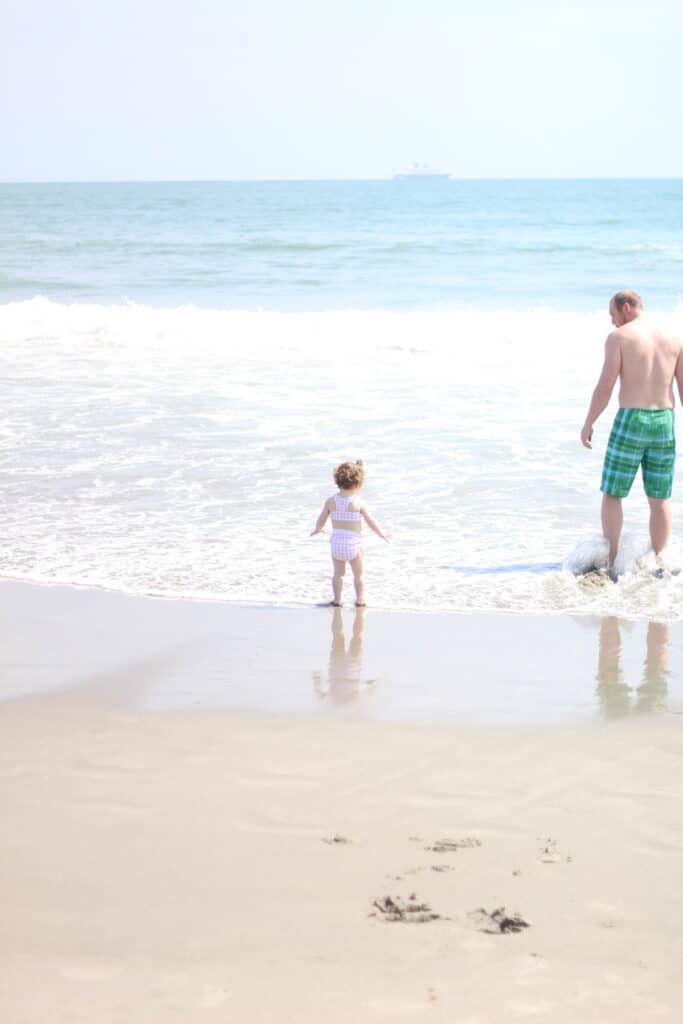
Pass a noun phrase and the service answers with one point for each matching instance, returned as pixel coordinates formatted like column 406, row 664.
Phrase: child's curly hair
column 349, row 476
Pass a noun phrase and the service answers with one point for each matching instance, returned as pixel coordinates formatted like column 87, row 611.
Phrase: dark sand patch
column 496, row 922
column 410, row 912
column 453, row 845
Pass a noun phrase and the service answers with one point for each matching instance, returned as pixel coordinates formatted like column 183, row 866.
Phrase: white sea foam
column 187, row 451
column 590, row 553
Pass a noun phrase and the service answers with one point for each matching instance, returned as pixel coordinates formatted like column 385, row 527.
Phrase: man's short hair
column 621, row 298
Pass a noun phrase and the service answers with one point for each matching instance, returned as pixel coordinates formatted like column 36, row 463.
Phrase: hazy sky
column 185, row 89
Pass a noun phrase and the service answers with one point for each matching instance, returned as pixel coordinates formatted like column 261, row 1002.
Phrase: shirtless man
column 646, row 359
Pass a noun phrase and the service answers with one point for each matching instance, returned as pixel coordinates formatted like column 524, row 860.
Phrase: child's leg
column 358, row 581
column 337, row 579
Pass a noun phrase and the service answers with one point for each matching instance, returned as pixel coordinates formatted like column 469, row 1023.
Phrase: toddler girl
column 346, row 509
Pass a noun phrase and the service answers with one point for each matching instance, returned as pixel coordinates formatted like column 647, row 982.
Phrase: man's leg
column 623, row 456
column 658, row 475
column 660, row 523
column 612, row 522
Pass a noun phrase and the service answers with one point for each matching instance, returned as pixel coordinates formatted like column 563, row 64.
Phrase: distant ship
column 420, row 171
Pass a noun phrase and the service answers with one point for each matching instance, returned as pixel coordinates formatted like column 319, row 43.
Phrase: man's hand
column 586, row 435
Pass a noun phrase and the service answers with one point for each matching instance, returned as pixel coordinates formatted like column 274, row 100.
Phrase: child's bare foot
column 361, row 604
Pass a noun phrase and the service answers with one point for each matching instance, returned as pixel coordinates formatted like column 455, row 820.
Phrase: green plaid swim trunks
column 640, row 437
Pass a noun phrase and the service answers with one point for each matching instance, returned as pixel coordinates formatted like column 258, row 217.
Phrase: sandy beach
column 234, row 814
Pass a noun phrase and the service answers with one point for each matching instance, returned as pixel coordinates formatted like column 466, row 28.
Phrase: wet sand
column 176, row 849
column 152, row 654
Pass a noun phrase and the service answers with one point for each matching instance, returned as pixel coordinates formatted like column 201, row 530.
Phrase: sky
column 110, row 90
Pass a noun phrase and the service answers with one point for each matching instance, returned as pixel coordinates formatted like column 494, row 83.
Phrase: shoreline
column 367, row 664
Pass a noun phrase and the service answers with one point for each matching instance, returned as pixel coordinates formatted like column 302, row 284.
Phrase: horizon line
column 265, row 181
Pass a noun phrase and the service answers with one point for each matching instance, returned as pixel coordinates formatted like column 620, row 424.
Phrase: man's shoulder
column 636, row 333
column 615, row 338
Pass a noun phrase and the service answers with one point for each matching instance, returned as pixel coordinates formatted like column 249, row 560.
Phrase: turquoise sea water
column 185, row 363
column 305, row 246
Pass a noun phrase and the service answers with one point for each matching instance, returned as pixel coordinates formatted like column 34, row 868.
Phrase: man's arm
column 603, row 389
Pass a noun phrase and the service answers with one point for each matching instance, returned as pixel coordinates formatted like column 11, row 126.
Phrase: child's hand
column 387, row 535
column 318, row 529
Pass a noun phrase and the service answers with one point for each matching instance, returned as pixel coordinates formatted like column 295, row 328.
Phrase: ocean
column 184, row 365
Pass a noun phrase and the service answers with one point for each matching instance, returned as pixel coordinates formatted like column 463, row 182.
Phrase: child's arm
column 322, row 519
column 373, row 524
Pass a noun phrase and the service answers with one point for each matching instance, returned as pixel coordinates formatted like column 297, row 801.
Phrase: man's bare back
column 648, row 362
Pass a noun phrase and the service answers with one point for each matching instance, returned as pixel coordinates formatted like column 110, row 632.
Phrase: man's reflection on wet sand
column 345, row 665
column 616, row 697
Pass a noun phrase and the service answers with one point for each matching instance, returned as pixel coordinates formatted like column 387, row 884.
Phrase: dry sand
column 231, row 865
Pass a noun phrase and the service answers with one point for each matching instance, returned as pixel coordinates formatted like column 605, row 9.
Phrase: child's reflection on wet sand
column 343, row 682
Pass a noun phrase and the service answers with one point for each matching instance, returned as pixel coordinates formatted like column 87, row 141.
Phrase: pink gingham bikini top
column 342, row 511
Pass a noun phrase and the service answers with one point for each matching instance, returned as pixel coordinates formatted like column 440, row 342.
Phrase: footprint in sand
column 330, row 840
column 550, row 854
column 497, row 922
column 453, row 845
column 410, row 912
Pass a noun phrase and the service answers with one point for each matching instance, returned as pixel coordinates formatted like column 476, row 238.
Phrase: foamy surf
column 187, row 453
column 589, row 554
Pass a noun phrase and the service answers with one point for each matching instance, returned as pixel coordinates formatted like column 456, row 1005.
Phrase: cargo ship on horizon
column 420, row 171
